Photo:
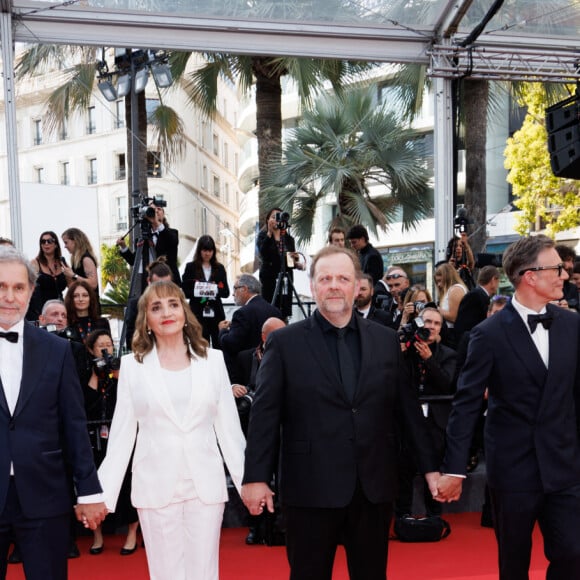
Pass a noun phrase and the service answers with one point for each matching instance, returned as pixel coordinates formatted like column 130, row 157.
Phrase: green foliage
column 542, row 197
column 115, row 276
column 350, row 151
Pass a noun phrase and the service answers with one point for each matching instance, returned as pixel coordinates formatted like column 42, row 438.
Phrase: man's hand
column 121, row 243
column 224, row 324
column 91, row 514
column 239, row 391
column 432, row 478
column 423, row 350
column 256, row 496
column 449, row 488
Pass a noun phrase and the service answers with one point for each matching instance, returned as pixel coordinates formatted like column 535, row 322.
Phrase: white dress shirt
column 540, row 336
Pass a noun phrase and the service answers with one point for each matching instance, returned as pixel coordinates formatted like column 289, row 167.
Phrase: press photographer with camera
column 275, row 244
column 156, row 234
column 431, row 368
column 415, row 300
column 100, row 395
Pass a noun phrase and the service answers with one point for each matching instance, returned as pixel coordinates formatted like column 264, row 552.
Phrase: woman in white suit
column 175, row 401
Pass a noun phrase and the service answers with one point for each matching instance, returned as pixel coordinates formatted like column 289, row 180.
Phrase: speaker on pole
column 563, row 125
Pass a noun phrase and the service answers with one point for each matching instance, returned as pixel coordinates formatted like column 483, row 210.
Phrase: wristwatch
column 75, row 276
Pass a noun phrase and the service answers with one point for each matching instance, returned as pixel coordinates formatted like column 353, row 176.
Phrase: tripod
column 139, row 272
column 284, row 285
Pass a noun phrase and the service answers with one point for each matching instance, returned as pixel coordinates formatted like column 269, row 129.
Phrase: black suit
column 46, row 432
column 246, row 329
column 337, row 456
column 166, row 245
column 532, row 442
column 472, row 310
column 379, row 316
column 371, row 262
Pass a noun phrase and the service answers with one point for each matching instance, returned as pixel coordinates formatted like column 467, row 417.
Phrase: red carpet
column 469, row 553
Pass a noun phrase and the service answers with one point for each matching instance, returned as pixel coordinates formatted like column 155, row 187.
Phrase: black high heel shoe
column 128, row 551
column 96, row 550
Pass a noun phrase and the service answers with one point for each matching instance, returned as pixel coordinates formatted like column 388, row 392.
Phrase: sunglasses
column 395, row 276
column 47, row 241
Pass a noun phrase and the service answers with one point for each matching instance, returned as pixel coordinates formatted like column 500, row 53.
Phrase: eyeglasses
column 47, row 241
column 395, row 276
column 558, row 267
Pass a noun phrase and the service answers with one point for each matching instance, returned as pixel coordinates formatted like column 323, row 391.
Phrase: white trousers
column 182, row 540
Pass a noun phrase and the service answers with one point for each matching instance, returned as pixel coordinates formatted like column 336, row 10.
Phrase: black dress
column 209, row 311
column 80, row 270
column 47, row 287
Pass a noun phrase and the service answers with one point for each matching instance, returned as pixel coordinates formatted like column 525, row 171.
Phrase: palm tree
column 310, row 76
column 350, row 151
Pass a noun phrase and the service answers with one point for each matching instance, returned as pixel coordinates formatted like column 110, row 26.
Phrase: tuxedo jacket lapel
column 34, row 360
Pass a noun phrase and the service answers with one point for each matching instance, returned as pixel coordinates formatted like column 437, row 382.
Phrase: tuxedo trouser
column 182, row 540
column 558, row 515
column 313, row 534
column 43, row 542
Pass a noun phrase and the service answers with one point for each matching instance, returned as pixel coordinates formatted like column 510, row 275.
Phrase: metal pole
column 135, row 161
column 10, row 114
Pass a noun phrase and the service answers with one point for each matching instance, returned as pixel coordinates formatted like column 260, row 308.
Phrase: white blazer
column 168, row 448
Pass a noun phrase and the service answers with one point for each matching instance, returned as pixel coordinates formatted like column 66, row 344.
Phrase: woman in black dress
column 50, row 281
column 205, row 283
column 82, row 311
column 100, row 393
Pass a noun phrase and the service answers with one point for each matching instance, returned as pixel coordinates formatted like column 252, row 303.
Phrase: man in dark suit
column 42, row 428
column 371, row 261
column 527, row 357
column 164, row 240
column 245, row 329
column 329, row 391
column 473, row 306
column 364, row 303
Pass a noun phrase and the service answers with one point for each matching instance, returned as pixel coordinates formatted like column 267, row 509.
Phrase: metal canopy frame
column 498, row 55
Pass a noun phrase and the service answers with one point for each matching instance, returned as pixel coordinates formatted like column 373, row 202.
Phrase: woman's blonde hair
column 82, row 247
column 143, row 342
column 450, row 277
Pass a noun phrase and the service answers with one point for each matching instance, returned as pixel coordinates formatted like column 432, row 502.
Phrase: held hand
column 449, row 488
column 256, row 496
column 91, row 514
column 239, row 391
column 224, row 324
column 432, row 478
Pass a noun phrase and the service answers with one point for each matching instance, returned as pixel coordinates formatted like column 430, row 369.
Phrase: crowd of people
column 324, row 423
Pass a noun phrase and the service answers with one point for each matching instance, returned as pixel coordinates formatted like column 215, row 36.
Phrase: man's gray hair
column 9, row 254
column 50, row 303
column 251, row 283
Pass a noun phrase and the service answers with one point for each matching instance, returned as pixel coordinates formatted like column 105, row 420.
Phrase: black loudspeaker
column 563, row 125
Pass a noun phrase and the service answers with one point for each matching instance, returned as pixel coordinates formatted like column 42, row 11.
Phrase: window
column 236, row 163
column 216, row 186
column 204, row 134
column 65, row 173
column 64, row 130
column 203, row 220
column 39, row 174
column 119, row 114
column 121, row 212
column 204, row 178
column 151, row 106
column 153, row 164
column 121, row 169
column 226, row 159
column 92, row 177
column 91, row 122
column 216, row 144
column 227, row 193
column 38, row 132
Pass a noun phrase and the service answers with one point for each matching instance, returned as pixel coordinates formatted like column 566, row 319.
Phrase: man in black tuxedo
column 42, row 428
column 329, row 392
column 164, row 240
column 527, row 357
column 474, row 305
column 364, row 303
column 245, row 329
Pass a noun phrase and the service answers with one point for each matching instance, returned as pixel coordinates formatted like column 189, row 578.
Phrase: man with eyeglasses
column 387, row 292
column 527, row 357
column 245, row 329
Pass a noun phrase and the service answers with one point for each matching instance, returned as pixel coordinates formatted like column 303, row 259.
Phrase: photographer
column 430, row 367
column 275, row 244
column 163, row 239
column 100, row 394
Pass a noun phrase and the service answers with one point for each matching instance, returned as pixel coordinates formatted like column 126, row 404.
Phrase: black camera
column 414, row 331
column 282, row 220
column 143, row 212
column 386, row 302
column 461, row 220
column 105, row 364
column 419, row 306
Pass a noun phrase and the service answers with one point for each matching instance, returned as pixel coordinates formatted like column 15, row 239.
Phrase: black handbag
column 421, row 529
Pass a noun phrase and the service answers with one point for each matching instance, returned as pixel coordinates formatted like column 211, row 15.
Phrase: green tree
column 115, row 277
column 350, row 151
column 545, row 200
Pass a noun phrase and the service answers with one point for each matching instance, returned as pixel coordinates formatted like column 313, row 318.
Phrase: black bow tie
column 544, row 319
column 9, row 336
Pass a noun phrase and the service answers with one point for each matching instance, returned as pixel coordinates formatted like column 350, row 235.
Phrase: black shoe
column 15, row 557
column 253, row 537
column 96, row 550
column 73, row 551
column 128, row 551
